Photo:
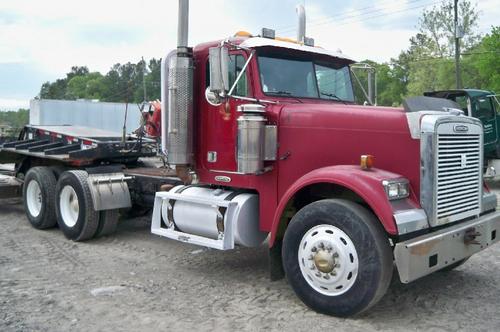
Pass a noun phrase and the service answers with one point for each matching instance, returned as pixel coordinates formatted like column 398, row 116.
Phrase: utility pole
column 457, row 49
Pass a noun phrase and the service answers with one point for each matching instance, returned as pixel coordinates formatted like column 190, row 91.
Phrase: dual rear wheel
column 66, row 202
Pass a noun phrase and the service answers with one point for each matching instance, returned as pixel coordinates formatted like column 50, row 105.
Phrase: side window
column 236, row 63
column 484, row 108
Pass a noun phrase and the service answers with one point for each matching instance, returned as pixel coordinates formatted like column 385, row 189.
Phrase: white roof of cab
column 260, row 42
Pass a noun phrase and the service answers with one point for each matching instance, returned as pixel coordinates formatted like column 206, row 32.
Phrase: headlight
column 397, row 188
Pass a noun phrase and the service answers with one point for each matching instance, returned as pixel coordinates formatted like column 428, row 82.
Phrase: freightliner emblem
column 460, row 129
column 221, row 178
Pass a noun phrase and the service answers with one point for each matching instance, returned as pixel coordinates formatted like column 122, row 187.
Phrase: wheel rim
column 69, row 206
column 34, row 198
column 328, row 260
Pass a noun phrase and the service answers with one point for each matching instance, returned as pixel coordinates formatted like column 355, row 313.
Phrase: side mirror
column 219, row 70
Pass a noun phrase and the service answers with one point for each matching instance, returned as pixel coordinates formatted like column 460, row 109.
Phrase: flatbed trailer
column 76, row 145
column 114, row 173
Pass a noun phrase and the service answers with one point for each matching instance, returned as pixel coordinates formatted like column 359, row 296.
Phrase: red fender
column 366, row 183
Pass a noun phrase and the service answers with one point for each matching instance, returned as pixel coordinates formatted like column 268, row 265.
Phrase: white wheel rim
column 34, row 198
column 68, row 205
column 328, row 260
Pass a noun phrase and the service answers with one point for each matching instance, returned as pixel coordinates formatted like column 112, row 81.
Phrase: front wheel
column 337, row 257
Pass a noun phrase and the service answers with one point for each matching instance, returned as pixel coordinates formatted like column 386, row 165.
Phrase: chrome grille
column 458, row 176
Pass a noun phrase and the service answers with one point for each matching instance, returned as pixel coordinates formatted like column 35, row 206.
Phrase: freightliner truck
column 262, row 139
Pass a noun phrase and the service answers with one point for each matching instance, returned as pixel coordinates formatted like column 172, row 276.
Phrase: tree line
column 428, row 64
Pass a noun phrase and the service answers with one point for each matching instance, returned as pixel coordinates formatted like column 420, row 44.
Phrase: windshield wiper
column 331, row 95
column 284, row 93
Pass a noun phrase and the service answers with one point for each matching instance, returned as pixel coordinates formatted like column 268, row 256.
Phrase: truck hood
column 320, row 135
column 351, row 117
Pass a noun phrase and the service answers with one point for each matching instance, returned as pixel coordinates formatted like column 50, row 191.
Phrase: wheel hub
column 328, row 260
column 324, row 261
column 34, row 198
column 69, row 206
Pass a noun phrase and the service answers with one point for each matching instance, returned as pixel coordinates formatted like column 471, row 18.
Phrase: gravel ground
column 135, row 281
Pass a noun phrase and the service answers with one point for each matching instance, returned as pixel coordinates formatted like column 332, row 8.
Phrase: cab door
column 483, row 109
column 220, row 127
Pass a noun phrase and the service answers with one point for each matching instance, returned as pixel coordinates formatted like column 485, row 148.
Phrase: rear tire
column 108, row 221
column 76, row 216
column 39, row 197
column 337, row 257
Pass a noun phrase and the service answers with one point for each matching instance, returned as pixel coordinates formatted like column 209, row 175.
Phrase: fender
column 365, row 183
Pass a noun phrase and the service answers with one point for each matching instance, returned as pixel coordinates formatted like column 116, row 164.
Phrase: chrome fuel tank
column 208, row 221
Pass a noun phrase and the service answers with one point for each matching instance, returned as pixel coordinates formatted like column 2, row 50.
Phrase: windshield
column 305, row 78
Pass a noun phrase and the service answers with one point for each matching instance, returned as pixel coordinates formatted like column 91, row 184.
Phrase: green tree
column 87, row 86
column 438, row 24
column 428, row 60
column 482, row 63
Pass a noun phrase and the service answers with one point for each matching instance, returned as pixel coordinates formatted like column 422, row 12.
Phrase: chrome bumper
column 425, row 254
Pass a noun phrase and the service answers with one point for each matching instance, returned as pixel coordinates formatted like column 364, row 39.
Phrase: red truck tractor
column 267, row 142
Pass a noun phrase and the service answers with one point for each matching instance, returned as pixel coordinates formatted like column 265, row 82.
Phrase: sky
column 41, row 40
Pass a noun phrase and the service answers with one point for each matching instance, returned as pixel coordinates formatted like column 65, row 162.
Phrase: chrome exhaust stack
column 177, row 96
column 301, row 26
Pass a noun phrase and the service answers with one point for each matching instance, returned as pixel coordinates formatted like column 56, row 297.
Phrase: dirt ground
column 135, row 281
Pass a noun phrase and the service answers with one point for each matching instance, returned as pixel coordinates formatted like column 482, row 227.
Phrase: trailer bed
column 76, row 145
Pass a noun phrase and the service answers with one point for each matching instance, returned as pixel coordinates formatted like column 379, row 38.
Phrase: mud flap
column 109, row 191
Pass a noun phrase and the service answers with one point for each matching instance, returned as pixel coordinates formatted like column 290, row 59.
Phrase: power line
column 345, row 14
column 353, row 18
column 385, row 14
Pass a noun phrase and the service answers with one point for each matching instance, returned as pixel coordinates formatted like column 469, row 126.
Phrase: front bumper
column 425, row 254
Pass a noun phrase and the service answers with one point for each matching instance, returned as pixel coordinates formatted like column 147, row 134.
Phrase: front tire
column 39, row 197
column 76, row 216
column 337, row 257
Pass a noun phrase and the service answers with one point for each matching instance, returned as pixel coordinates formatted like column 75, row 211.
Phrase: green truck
column 480, row 104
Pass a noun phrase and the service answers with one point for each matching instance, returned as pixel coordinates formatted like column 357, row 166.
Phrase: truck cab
column 480, row 104
column 267, row 138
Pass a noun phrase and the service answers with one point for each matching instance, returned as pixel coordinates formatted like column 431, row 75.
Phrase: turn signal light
column 367, row 161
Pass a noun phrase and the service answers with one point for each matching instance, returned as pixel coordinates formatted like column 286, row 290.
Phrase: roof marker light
column 242, row 33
